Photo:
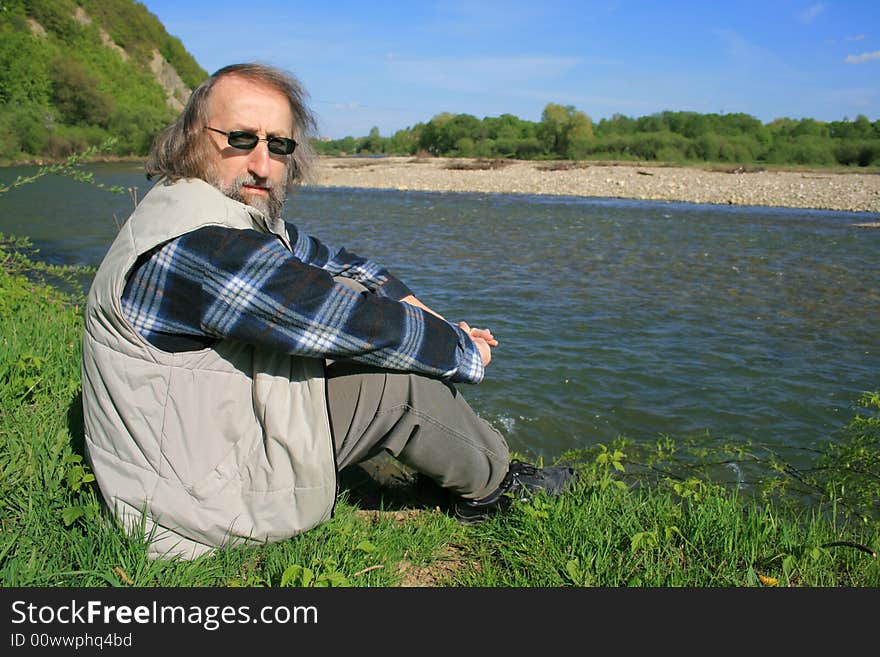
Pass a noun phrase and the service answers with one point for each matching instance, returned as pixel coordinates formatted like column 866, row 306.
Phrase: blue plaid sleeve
column 219, row 283
column 341, row 262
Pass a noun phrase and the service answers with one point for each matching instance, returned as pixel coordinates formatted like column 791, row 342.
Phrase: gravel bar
column 819, row 189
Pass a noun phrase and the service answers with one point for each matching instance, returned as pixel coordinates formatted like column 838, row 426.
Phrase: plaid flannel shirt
column 219, row 283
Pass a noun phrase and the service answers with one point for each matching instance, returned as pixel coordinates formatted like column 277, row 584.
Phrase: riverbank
column 734, row 185
column 838, row 189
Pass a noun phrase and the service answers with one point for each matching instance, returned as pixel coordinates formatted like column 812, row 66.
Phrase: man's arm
column 484, row 334
column 244, row 285
column 340, row 262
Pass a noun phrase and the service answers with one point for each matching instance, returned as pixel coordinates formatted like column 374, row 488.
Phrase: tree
column 460, row 134
column 509, row 127
column 578, row 136
column 430, row 137
column 24, row 76
column 861, row 128
column 810, row 128
column 563, row 127
column 77, row 96
column 618, row 124
column 402, row 142
column 372, row 143
column 551, row 132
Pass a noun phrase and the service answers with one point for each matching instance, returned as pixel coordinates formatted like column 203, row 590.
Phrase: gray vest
column 198, row 450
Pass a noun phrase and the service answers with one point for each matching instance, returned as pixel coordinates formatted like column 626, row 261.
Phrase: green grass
column 643, row 515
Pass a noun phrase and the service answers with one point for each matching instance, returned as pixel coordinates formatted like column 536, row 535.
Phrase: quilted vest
column 204, row 449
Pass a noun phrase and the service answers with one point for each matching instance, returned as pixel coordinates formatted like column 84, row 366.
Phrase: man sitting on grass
column 233, row 365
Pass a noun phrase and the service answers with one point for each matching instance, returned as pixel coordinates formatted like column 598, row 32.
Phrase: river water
column 615, row 317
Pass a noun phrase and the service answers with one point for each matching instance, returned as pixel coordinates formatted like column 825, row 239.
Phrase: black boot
column 521, row 481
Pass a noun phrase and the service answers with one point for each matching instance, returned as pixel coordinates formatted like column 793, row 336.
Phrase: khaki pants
column 423, row 422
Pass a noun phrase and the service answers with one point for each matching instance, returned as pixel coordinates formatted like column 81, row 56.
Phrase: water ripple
column 615, row 317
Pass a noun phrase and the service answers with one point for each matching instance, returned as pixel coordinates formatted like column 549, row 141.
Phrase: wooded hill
column 74, row 72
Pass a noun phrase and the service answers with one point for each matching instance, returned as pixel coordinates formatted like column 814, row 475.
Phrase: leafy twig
column 70, row 169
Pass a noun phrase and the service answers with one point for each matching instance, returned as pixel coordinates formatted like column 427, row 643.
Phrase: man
column 232, row 365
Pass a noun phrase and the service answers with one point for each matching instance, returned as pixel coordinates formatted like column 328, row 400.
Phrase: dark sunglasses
column 247, row 140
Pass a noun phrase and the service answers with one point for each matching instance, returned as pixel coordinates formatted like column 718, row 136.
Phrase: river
column 614, row 317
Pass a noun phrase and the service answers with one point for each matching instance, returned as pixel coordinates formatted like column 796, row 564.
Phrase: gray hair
column 181, row 150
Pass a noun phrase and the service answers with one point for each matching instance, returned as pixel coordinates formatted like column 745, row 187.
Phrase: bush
column 648, row 146
column 67, row 140
column 858, row 153
column 717, row 148
column 803, row 150
column 464, row 147
column 528, row 147
column 23, row 130
column 77, row 95
column 136, row 128
column 24, row 75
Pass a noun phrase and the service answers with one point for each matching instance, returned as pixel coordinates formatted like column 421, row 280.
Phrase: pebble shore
column 819, row 189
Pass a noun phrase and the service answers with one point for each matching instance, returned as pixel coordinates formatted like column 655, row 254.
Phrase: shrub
column 803, row 150
column 858, row 153
column 77, row 95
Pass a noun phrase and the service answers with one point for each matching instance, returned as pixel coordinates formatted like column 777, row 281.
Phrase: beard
column 270, row 204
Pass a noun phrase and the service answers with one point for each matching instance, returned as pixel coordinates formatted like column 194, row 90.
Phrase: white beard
column 270, row 205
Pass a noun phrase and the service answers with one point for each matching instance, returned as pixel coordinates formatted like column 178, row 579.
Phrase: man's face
column 255, row 177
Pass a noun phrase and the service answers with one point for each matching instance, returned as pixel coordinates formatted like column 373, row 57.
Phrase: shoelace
column 525, row 469
column 518, row 488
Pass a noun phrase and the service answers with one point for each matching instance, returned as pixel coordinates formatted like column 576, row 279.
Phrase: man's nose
column 259, row 159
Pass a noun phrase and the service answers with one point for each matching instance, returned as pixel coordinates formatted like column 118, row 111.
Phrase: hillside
column 74, row 72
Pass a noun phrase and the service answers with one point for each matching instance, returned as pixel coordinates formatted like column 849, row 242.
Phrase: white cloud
column 861, row 59
column 857, row 37
column 810, row 14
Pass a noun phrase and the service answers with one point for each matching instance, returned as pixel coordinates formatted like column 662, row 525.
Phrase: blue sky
column 394, row 64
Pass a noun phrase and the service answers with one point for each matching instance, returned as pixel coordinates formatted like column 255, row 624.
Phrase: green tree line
column 567, row 133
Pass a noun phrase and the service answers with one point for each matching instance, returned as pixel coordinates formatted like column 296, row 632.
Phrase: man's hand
column 484, row 334
column 482, row 339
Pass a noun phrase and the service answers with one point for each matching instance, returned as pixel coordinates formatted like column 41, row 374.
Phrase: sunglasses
column 247, row 140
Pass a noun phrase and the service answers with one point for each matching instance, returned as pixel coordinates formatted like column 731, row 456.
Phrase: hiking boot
column 521, row 482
